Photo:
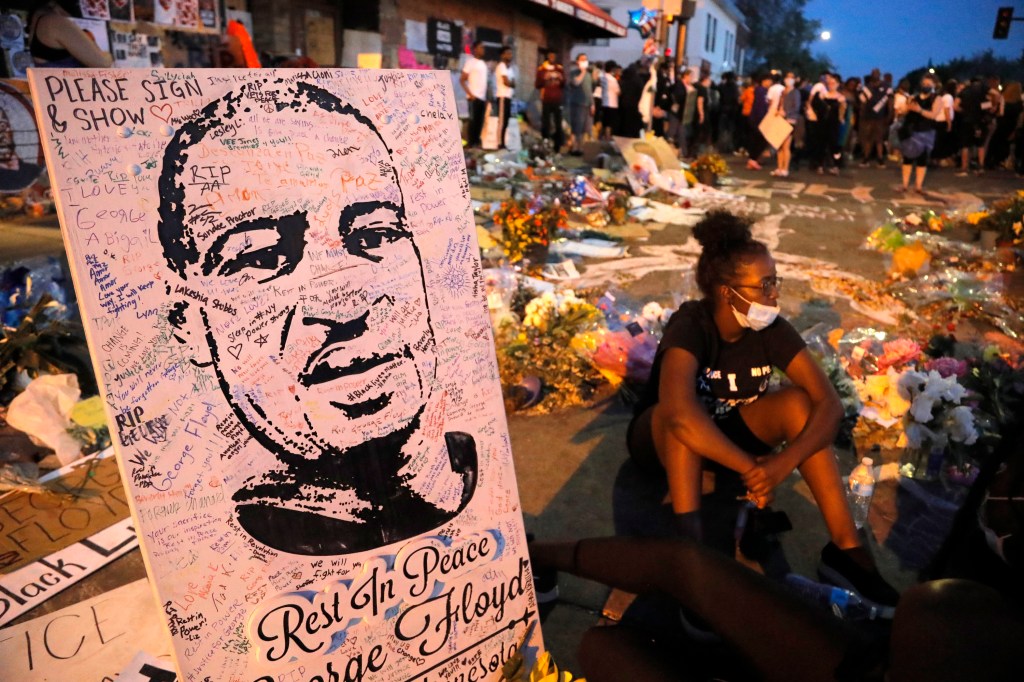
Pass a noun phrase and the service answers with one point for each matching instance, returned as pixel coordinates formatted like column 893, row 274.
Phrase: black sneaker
column 545, row 585
column 842, row 568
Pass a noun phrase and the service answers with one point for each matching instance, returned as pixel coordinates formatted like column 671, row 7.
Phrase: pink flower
column 898, row 352
column 947, row 367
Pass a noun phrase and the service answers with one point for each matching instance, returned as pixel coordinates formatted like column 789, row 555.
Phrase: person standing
column 474, row 82
column 632, row 88
column 550, row 81
column 827, row 107
column 579, row 97
column 789, row 108
column 875, row 102
column 57, row 42
column 758, row 110
column 704, row 112
column 610, row 100
column 729, row 98
column 685, row 101
column 923, row 112
column 504, row 89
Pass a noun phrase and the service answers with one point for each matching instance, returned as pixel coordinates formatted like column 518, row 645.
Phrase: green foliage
column 781, row 37
column 980, row 64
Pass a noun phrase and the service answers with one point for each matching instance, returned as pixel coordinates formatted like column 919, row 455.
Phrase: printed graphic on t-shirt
column 722, row 390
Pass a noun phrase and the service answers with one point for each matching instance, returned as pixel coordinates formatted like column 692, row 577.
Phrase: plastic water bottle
column 842, row 603
column 862, row 487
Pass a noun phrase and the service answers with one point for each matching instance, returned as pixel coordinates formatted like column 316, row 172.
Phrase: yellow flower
column 1017, row 228
column 977, row 217
column 934, row 224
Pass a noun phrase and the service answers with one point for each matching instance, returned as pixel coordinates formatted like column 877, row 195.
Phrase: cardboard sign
column 80, row 503
column 279, row 278
column 26, row 588
column 92, row 640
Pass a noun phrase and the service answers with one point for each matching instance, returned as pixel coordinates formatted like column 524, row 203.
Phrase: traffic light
column 1003, row 19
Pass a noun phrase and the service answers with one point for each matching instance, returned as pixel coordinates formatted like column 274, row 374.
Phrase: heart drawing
column 162, row 112
column 235, row 351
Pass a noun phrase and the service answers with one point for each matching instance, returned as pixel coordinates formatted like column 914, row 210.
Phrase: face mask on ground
column 758, row 316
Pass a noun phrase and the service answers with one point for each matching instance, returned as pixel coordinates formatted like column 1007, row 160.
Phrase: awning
column 585, row 12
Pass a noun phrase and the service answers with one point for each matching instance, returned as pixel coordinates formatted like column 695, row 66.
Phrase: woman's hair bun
column 721, row 231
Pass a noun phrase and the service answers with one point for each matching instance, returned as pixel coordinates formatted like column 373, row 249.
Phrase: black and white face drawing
column 297, row 278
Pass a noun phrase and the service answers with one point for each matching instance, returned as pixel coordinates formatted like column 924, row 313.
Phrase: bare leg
column 919, row 174
column 781, row 416
column 682, row 465
column 606, row 652
column 954, row 630
column 906, row 175
column 782, row 638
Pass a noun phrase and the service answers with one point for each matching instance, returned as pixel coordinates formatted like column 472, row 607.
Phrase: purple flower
column 947, row 367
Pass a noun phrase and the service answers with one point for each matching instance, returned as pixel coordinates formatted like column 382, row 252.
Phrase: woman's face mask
column 790, row 82
column 758, row 316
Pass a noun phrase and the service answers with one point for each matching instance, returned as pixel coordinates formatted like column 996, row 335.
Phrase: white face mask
column 790, row 82
column 758, row 316
column 584, row 65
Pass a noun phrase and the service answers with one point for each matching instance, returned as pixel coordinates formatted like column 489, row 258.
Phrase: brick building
column 342, row 33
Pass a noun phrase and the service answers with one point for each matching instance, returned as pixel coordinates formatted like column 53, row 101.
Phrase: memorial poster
column 279, row 278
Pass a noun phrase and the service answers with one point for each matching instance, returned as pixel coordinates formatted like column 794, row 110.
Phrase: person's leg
column 783, row 638
column 559, row 131
column 906, row 170
column 505, row 111
column 477, row 111
column 779, row 417
column 682, row 465
column 919, row 173
column 955, row 630
column 785, row 155
column 545, row 120
column 606, row 653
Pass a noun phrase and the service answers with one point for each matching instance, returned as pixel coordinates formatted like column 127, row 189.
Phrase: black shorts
column 640, row 439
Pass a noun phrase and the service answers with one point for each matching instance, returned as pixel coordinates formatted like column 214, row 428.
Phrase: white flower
column 961, row 425
column 919, row 434
column 652, row 312
column 944, row 388
column 910, row 384
column 912, row 219
column 921, row 407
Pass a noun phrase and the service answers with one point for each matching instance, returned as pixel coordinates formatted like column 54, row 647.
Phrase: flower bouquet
column 935, row 425
column 542, row 346
column 527, row 229
column 709, row 167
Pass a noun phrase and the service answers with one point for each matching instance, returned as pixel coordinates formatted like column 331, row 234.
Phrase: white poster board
column 279, row 277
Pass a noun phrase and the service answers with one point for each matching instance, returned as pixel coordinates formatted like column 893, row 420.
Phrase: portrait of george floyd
column 339, row 372
column 281, row 287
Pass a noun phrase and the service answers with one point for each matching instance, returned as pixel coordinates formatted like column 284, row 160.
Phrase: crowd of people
column 971, row 126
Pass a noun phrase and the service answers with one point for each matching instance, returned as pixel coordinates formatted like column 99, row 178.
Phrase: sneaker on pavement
column 545, row 585
column 854, row 570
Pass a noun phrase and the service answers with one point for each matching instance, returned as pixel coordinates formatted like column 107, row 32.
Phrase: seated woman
column 707, row 401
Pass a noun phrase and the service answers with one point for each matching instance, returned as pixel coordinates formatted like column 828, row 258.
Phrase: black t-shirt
column 731, row 374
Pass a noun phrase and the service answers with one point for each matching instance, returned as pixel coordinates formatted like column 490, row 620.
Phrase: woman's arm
column 65, row 33
column 687, row 419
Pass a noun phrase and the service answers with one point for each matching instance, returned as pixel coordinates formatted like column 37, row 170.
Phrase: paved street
column 569, row 465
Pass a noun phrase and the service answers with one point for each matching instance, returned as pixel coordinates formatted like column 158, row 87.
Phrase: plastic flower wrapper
column 817, row 339
column 619, row 355
column 886, row 238
column 619, row 308
column 859, row 350
column 499, row 286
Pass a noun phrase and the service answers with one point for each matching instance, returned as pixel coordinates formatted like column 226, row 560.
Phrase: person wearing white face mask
column 707, row 405
column 579, row 97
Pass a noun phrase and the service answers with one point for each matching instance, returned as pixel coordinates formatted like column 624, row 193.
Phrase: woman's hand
column 766, row 474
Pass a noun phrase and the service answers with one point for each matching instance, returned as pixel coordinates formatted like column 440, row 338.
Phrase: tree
column 781, row 37
column 981, row 64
